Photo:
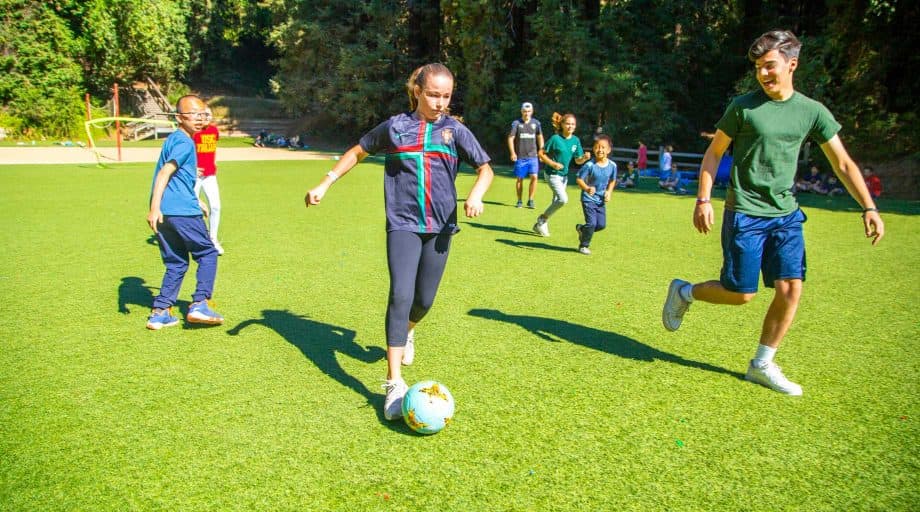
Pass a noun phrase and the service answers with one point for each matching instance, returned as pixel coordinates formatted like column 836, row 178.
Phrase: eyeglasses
column 195, row 115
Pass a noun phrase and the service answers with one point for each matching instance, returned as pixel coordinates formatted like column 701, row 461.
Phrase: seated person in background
column 630, row 177
column 261, row 139
column 873, row 182
column 669, row 181
column 812, row 182
column 833, row 186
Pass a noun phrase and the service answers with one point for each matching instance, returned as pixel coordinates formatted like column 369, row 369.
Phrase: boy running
column 593, row 178
column 762, row 225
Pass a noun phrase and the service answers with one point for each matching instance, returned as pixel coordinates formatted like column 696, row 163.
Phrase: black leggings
column 416, row 262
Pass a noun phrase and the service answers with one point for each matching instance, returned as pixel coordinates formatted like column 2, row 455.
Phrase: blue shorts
column 751, row 245
column 526, row 166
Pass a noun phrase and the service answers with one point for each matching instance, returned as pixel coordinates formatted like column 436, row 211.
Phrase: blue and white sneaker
column 201, row 313
column 160, row 318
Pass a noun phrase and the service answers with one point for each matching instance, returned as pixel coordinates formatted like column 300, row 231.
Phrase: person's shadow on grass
column 319, row 342
column 535, row 245
column 551, row 329
column 133, row 291
column 503, row 229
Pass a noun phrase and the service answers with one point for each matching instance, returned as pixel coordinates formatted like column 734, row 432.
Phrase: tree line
column 659, row 71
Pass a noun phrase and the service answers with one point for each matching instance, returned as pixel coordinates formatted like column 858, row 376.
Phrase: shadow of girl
column 320, row 342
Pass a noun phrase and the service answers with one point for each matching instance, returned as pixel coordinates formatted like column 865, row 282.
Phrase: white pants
column 212, row 193
column 557, row 184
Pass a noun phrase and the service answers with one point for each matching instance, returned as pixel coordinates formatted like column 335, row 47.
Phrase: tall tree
column 40, row 81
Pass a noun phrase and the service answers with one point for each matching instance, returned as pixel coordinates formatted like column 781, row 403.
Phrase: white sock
column 764, row 354
column 686, row 292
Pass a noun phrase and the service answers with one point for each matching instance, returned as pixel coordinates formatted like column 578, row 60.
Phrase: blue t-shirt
column 597, row 177
column 422, row 159
column 179, row 197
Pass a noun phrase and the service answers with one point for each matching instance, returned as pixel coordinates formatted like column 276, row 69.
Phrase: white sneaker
column 220, row 250
column 392, row 404
column 770, row 375
column 584, row 250
column 409, row 352
column 541, row 228
column 672, row 314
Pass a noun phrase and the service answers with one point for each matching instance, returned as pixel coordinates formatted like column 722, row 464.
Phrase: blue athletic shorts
column 751, row 245
column 526, row 167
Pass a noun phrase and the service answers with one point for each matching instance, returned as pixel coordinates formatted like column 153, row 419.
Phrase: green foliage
column 225, row 33
column 39, row 79
column 343, row 64
column 642, row 69
column 124, row 40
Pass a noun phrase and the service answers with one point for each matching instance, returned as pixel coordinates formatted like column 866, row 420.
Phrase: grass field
column 570, row 394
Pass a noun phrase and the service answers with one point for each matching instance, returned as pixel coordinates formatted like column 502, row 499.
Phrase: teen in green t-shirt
column 762, row 225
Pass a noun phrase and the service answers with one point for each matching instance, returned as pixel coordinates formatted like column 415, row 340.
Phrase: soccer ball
column 428, row 407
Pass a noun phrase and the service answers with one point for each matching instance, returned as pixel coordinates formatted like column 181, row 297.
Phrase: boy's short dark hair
column 604, row 137
column 782, row 40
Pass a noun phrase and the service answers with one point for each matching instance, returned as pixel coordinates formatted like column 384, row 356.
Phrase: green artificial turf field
column 570, row 394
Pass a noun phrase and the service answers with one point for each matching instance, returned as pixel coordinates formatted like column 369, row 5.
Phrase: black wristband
column 866, row 210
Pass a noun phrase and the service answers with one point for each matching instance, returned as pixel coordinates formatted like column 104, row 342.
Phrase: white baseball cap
column 526, row 105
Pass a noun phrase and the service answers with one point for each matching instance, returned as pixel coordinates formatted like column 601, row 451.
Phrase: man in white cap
column 525, row 139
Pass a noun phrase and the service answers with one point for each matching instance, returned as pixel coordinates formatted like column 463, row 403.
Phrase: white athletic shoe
column 220, row 249
column 392, row 404
column 770, row 375
column 584, row 250
column 409, row 352
column 672, row 314
column 541, row 228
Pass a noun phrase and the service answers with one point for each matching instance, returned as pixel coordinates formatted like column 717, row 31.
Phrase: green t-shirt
column 562, row 151
column 767, row 137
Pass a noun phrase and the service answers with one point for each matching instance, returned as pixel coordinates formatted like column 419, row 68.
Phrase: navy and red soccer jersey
column 422, row 160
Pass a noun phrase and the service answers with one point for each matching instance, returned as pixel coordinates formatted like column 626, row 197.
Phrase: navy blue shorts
column 524, row 167
column 751, row 245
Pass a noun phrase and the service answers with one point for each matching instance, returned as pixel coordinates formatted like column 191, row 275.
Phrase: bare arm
column 155, row 216
column 473, row 205
column 612, row 184
column 341, row 168
column 511, row 148
column 585, row 156
column 703, row 217
column 849, row 175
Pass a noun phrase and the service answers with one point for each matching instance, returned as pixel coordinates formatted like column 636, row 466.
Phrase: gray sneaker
column 770, row 375
column 541, row 228
column 674, row 306
column 530, row 204
column 392, row 404
column 409, row 352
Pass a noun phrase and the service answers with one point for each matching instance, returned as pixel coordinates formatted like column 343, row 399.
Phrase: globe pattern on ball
column 428, row 407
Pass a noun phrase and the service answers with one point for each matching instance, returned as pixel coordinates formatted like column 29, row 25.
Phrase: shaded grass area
column 570, row 395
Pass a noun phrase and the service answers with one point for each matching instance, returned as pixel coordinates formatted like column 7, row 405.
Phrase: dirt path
column 76, row 155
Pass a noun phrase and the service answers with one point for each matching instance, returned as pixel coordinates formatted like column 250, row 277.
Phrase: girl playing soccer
column 423, row 150
column 558, row 153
